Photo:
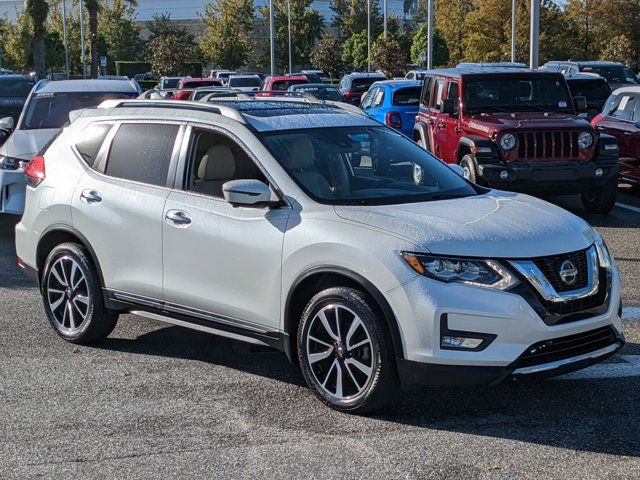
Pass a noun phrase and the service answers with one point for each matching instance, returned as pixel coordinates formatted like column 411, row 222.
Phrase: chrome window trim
column 529, row 270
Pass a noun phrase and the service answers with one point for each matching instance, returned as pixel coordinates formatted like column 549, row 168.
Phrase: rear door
column 118, row 206
column 630, row 162
column 424, row 110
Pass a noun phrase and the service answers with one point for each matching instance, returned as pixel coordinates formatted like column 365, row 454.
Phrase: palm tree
column 37, row 11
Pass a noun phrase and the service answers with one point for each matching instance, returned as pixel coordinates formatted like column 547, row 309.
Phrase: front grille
column 548, row 146
column 550, row 268
column 561, row 348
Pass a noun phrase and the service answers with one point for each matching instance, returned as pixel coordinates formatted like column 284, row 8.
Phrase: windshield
column 244, row 82
column 407, row 97
column 516, row 94
column 52, row 110
column 363, row 166
column 15, row 87
column 613, row 74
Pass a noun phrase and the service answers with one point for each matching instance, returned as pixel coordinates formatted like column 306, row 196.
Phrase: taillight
column 347, row 95
column 393, row 119
column 35, row 172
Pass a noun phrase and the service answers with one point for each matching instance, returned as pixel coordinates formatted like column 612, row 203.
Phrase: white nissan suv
column 313, row 229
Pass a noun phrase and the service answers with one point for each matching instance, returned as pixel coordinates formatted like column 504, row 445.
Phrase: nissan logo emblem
column 568, row 272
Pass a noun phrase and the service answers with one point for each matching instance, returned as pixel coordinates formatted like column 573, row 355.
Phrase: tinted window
column 52, row 110
column 142, row 153
column 452, row 91
column 244, row 82
column 92, row 139
column 407, row 97
column 202, row 83
column 362, row 84
column 15, row 87
column 614, row 74
column 426, row 91
column 170, row 83
column 591, row 89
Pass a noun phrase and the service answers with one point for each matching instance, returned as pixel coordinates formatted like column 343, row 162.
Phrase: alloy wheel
column 67, row 293
column 339, row 352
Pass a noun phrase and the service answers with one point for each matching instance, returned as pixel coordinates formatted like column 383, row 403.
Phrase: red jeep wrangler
column 517, row 130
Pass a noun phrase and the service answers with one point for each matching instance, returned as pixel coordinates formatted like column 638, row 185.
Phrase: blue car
column 394, row 103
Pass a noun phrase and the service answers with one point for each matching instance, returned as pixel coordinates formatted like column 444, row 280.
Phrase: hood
column 25, row 144
column 496, row 225
column 496, row 122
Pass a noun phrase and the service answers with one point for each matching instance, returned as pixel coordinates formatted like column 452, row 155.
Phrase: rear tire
column 345, row 351
column 601, row 199
column 72, row 296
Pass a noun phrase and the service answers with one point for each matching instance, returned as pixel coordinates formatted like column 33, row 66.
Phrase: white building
column 186, row 10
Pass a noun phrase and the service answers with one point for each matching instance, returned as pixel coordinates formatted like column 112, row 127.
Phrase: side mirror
column 637, row 124
column 449, row 107
column 4, row 136
column 246, row 192
column 7, row 124
column 580, row 103
column 456, row 168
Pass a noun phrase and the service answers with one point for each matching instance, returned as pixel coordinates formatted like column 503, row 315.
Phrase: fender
column 365, row 285
column 482, row 148
column 421, row 132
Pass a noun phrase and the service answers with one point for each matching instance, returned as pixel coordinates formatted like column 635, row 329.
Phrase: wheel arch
column 420, row 133
column 320, row 278
column 59, row 234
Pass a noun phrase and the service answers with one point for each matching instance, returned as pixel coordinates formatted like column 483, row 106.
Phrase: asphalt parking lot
column 157, row 401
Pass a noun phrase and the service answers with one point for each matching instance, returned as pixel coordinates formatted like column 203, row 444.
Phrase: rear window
column 142, row 153
column 285, row 84
column 591, row 89
column 407, row 97
column 244, row 82
column 92, row 140
column 16, row 87
column 363, row 84
column 205, row 83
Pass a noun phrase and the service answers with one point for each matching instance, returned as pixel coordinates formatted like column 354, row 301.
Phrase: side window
column 437, row 101
column 410, row 76
column 452, row 91
column 92, row 139
column 622, row 107
column 366, row 99
column 142, row 153
column 216, row 159
column 378, row 98
column 427, row 86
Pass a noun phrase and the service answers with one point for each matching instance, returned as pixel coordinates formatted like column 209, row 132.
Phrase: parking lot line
column 628, row 207
column 631, row 314
column 629, row 367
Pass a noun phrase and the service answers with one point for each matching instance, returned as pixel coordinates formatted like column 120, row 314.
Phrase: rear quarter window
column 92, row 139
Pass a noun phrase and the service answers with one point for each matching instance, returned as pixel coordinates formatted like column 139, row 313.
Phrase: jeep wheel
column 469, row 169
column 601, row 199
column 345, row 351
column 73, row 296
column 421, row 143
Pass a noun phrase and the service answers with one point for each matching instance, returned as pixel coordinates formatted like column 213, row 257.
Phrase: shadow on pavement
column 585, row 415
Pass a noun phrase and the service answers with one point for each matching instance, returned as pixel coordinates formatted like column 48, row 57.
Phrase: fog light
column 599, row 172
column 504, row 175
column 460, row 342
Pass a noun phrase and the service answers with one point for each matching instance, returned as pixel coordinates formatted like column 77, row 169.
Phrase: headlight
column 479, row 273
column 508, row 141
column 585, row 140
column 604, row 256
column 12, row 163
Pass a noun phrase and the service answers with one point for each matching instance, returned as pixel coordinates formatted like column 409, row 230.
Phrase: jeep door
column 447, row 131
column 118, row 206
column 221, row 263
column 424, row 113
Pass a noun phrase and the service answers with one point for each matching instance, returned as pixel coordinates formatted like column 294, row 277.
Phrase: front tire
column 345, row 351
column 72, row 296
column 601, row 199
column 469, row 169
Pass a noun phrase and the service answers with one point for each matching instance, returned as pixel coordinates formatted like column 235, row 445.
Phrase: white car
column 223, row 75
column 244, row 83
column 316, row 230
column 45, row 112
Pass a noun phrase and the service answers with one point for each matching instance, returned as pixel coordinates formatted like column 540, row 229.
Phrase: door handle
column 90, row 197
column 178, row 218
column 600, row 127
column 627, row 134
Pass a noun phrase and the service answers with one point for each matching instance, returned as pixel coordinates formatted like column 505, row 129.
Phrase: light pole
column 368, row 35
column 272, row 39
column 82, row 42
column 430, row 35
column 64, row 37
column 513, row 30
column 535, row 30
column 289, row 21
column 384, row 18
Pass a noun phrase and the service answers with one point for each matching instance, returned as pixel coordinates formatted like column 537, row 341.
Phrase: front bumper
column 554, row 178
column 12, row 191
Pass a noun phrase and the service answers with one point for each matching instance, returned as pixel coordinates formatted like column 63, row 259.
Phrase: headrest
column 217, row 164
column 302, row 155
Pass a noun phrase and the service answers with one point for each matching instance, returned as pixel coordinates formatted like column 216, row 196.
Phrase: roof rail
column 225, row 111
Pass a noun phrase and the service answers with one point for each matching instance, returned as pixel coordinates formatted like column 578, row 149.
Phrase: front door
column 447, row 127
column 436, row 125
column 222, row 263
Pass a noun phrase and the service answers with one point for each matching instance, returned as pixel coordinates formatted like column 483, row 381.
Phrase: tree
column 619, row 49
column 119, row 37
column 450, row 20
column 170, row 46
column 37, row 11
column 228, row 25
column 93, row 7
column 327, row 55
column 388, row 56
column 306, row 28
column 420, row 45
column 354, row 52
column 350, row 17
column 16, row 42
